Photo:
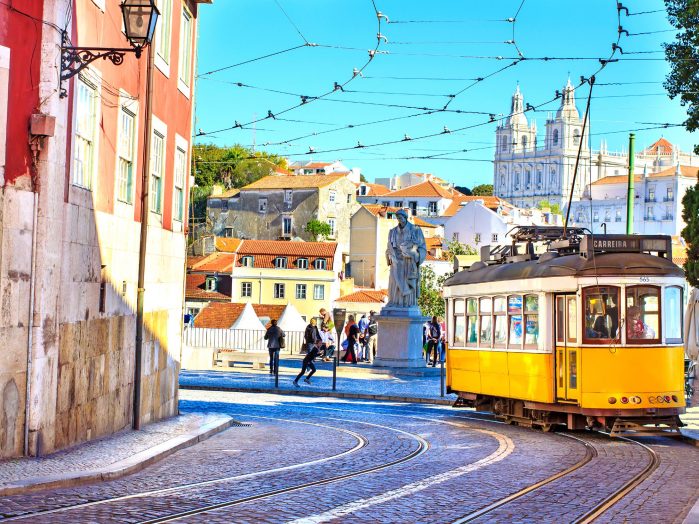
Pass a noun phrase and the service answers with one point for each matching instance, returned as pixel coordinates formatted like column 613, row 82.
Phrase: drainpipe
column 30, row 323
column 630, row 195
column 145, row 210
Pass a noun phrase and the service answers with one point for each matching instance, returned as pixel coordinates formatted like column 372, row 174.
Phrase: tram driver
column 635, row 327
column 603, row 318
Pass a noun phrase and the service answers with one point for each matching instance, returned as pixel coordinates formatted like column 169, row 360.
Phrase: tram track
column 362, row 442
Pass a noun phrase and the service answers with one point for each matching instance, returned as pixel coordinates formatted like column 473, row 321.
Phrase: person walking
column 363, row 339
column 275, row 341
column 434, row 334
column 352, row 333
column 308, row 363
column 372, row 331
column 311, row 335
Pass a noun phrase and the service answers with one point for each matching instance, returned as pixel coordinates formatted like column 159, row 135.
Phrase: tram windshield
column 601, row 314
column 642, row 313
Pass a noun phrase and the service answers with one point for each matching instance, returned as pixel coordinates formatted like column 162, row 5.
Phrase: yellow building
column 275, row 272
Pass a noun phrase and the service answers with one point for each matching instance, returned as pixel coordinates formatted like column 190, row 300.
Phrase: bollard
column 335, row 362
column 441, row 377
column 276, row 369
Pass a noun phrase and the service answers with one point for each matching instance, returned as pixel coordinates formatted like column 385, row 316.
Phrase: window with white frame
column 331, row 223
column 280, row 262
column 125, row 149
column 319, row 263
column 318, row 292
column 163, row 30
column 262, row 205
column 247, row 261
column 302, row 263
column 246, row 289
column 288, row 196
column 494, row 237
column 84, row 154
column 278, row 290
column 477, row 238
column 210, row 283
column 286, row 226
column 432, row 208
column 180, row 172
column 185, row 67
column 301, row 291
column 157, row 172
column 332, row 196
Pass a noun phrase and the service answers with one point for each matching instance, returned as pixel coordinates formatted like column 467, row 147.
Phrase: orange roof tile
column 215, row 263
column 422, row 223
column 283, row 247
column 194, row 260
column 226, row 194
column 317, row 165
column 685, row 171
column 375, row 189
column 222, row 315
column 293, row 182
column 433, row 242
column 195, row 288
column 379, row 210
column 365, row 295
column 424, row 189
column 227, row 244
column 491, row 202
column 662, row 146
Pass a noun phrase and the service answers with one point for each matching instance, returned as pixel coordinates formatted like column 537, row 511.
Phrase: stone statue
column 406, row 251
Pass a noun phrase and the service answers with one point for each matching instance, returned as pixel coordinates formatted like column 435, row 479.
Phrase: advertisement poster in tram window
column 514, row 305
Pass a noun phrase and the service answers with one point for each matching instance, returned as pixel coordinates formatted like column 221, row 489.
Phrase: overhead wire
column 291, row 21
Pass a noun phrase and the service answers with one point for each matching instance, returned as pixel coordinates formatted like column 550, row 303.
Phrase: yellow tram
column 584, row 331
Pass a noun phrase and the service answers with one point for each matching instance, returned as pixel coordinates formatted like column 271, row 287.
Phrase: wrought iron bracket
column 75, row 59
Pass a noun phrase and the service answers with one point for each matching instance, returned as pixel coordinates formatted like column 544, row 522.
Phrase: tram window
column 500, row 321
column 486, row 331
column 560, row 319
column 471, row 321
column 514, row 315
column 459, row 323
column 572, row 320
column 601, row 314
column 673, row 314
column 531, row 307
column 642, row 314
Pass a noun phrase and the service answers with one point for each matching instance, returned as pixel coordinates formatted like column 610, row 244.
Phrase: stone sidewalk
column 111, row 457
column 360, row 382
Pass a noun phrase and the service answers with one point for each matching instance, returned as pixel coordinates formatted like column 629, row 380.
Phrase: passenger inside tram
column 602, row 320
column 635, row 327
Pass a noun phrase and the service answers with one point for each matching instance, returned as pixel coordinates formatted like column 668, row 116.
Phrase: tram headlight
column 612, row 400
column 636, row 400
column 624, row 400
column 667, row 398
column 674, row 398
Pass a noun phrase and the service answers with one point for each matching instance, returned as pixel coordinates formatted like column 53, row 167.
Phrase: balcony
column 649, row 218
column 650, row 199
column 670, row 198
column 667, row 217
column 617, row 219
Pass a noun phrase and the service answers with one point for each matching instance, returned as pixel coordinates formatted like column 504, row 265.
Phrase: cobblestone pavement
column 422, row 463
column 103, row 452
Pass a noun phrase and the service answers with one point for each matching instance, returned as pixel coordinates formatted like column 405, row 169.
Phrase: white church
column 527, row 172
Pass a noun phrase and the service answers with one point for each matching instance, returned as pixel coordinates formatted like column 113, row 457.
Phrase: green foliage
column 318, row 230
column 231, row 167
column 454, row 247
column 483, row 190
column 199, row 196
column 362, row 178
column 463, row 190
column 683, row 58
column 555, row 208
column 690, row 234
column 430, row 300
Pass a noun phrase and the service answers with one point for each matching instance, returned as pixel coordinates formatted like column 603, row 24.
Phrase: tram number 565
column 644, row 280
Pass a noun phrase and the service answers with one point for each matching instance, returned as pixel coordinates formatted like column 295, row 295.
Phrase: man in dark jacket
column 275, row 340
column 311, row 335
column 434, row 333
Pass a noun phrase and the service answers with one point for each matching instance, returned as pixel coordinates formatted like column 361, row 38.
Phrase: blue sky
column 424, row 61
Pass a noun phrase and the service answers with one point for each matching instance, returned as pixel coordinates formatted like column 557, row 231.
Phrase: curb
column 311, row 393
column 692, row 441
column 133, row 464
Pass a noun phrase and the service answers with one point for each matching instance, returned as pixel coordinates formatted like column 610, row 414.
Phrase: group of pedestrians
column 360, row 343
column 433, row 339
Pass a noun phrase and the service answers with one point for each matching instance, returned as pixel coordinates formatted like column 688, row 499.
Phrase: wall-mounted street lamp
column 140, row 18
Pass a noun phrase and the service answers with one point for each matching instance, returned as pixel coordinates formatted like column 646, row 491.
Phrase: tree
column 318, row 230
column 690, row 234
column 483, row 190
column 683, row 59
column 463, row 190
column 362, row 178
column 231, row 167
column 454, row 247
column 430, row 300
column 554, row 208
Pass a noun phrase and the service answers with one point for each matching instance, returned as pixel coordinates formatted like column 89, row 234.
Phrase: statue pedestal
column 400, row 338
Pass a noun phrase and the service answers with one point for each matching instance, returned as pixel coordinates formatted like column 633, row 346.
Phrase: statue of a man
column 406, row 251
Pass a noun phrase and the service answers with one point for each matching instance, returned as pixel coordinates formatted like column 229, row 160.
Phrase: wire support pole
column 577, row 158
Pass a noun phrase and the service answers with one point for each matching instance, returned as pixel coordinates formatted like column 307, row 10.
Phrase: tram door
column 566, row 354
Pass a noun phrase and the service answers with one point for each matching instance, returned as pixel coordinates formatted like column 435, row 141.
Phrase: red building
column 71, row 171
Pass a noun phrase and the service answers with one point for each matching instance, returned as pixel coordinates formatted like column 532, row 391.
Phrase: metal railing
column 245, row 340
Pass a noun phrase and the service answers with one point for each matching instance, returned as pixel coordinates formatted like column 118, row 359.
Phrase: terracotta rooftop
column 192, row 261
column 215, row 263
column 424, row 189
column 434, row 242
column 375, row 189
column 685, row 171
column 227, row 244
column 293, row 182
column 227, row 194
column 379, row 210
column 222, row 315
column 283, row 247
column 421, row 223
column 195, row 288
column 365, row 295
column 316, row 165
column 491, row 202
column 661, row 146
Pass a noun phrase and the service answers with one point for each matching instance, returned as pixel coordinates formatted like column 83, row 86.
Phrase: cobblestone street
column 300, row 459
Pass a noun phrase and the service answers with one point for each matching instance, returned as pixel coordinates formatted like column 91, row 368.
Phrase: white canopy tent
column 248, row 320
column 291, row 319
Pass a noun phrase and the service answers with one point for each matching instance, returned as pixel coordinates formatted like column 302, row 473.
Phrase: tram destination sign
column 661, row 244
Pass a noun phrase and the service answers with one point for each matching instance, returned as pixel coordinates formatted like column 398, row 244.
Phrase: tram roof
column 572, row 265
